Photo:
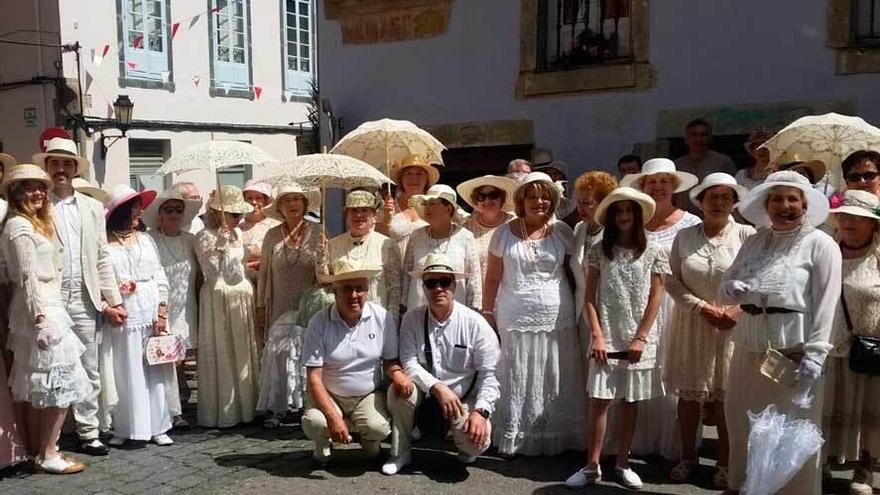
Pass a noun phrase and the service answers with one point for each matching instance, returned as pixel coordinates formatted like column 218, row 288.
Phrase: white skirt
column 282, row 375
column 615, row 380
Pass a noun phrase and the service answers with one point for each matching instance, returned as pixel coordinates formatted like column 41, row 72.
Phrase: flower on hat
column 836, row 200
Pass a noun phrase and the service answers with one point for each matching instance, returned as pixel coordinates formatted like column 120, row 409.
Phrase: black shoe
column 94, row 447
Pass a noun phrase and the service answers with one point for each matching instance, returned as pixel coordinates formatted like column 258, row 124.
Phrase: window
column 577, row 33
column 235, row 176
column 146, row 50
column 298, row 42
column 230, row 28
column 866, row 21
column 145, row 156
column 854, row 33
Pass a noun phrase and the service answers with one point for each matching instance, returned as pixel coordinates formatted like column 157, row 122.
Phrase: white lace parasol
column 214, row 156
column 328, row 170
column 386, row 143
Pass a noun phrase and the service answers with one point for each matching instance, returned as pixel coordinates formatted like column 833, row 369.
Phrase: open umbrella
column 323, row 170
column 386, row 143
column 830, row 137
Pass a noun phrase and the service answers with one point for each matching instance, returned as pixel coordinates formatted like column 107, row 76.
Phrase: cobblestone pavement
column 250, row 459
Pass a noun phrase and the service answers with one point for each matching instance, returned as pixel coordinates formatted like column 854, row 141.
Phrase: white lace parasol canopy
column 214, row 156
column 329, row 170
column 386, row 143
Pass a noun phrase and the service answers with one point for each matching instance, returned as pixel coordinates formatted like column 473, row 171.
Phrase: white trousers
column 85, row 325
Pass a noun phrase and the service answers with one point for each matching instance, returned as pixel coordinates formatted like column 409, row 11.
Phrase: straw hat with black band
column 343, row 269
column 62, row 148
column 793, row 161
column 439, row 264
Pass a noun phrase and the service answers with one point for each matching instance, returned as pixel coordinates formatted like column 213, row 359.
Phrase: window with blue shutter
column 145, row 39
column 230, row 45
column 299, row 54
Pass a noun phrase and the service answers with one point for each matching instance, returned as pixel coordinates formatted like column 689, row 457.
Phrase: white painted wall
column 705, row 53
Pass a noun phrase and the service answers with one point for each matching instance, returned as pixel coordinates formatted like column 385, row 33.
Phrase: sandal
column 719, row 480
column 272, row 422
column 683, row 470
column 59, row 465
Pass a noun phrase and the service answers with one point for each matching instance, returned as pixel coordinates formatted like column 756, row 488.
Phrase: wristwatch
column 482, row 412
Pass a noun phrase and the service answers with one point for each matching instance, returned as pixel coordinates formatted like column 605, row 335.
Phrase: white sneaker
column 163, row 440
column 117, row 441
column 628, row 478
column 394, row 464
column 585, row 476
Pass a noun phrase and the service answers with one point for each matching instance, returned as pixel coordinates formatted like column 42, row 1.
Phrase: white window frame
column 152, row 66
column 298, row 81
column 230, row 78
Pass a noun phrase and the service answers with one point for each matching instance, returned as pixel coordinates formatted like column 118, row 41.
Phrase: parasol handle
column 323, row 209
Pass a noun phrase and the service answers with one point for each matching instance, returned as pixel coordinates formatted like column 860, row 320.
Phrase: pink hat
column 260, row 186
column 123, row 193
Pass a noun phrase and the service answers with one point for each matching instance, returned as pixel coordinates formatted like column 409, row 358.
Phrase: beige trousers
column 403, row 411
column 366, row 415
column 749, row 390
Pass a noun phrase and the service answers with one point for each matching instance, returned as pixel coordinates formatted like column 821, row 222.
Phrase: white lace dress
column 542, row 410
column 178, row 256
column 143, row 410
column 461, row 249
column 401, row 228
column 622, row 295
column 483, row 236
column 46, row 378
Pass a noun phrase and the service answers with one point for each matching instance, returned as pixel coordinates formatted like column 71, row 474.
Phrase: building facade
column 195, row 70
column 593, row 80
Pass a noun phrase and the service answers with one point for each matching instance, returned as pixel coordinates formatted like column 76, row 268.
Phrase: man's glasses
column 172, row 209
column 433, row 283
column 491, row 196
column 357, row 289
column 864, row 176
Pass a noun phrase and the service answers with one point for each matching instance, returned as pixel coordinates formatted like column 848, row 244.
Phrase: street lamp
column 122, row 109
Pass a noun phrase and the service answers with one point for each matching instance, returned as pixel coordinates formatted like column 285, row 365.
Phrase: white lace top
column 371, row 251
column 178, row 257
column 534, row 294
column 622, row 296
column 461, row 249
column 665, row 237
column 139, row 262
column 861, row 287
column 483, row 236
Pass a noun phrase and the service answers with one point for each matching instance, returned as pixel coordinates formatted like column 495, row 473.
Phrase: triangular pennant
column 225, row 87
column 89, row 80
column 174, row 28
column 194, row 20
column 132, row 65
column 196, row 80
column 105, row 50
column 137, row 41
column 258, row 91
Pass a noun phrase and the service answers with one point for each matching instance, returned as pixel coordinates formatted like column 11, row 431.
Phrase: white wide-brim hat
column 467, row 188
column 343, row 269
column 22, row 172
column 229, row 199
column 753, row 208
column 123, row 193
column 556, row 189
column 313, row 197
column 85, row 187
column 436, row 263
column 626, row 193
column 717, row 179
column 656, row 166
column 438, row 191
column 62, row 148
column 191, row 208
column 858, row 203
column 260, row 186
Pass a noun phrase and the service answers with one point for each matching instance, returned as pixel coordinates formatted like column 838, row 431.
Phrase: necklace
column 170, row 250
column 531, row 244
column 294, row 234
column 501, row 219
column 123, row 235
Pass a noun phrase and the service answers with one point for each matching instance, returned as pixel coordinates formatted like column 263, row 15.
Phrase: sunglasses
column 172, row 209
column 433, row 283
column 864, row 176
column 357, row 289
column 491, row 196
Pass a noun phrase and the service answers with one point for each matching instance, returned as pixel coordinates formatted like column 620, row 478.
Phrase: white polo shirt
column 351, row 358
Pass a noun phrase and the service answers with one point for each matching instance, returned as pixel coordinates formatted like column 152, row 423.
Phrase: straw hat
column 789, row 160
column 541, row 157
column 85, row 187
column 191, row 208
column 362, row 199
column 467, row 188
column 555, row 188
column 260, row 186
column 7, row 161
column 313, row 196
column 752, row 206
column 437, row 191
column 415, row 161
column 717, row 179
column 626, row 193
column 660, row 166
column 436, row 263
column 230, row 200
column 343, row 269
column 858, row 203
column 25, row 171
column 123, row 193
column 60, row 147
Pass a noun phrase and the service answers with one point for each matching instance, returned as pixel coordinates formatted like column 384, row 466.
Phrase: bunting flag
column 132, row 65
column 174, row 28
column 196, row 80
column 105, row 50
column 137, row 41
column 89, row 81
column 194, row 20
column 225, row 87
column 98, row 58
column 258, row 91
column 215, row 10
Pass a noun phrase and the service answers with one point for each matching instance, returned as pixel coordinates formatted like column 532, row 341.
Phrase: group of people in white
column 503, row 326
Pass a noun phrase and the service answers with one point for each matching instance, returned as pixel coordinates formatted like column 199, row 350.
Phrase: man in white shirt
column 700, row 160
column 452, row 354
column 190, row 191
column 345, row 348
column 88, row 283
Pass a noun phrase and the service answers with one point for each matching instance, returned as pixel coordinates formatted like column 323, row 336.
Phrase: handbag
column 162, row 349
column 779, row 368
column 864, row 352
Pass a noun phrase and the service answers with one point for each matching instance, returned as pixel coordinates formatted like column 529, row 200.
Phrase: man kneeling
column 451, row 353
column 345, row 346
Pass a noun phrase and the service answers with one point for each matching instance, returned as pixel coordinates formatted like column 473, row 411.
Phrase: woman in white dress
column 46, row 376
column 400, row 219
column 657, row 429
column 166, row 218
column 143, row 411
column 491, row 197
column 442, row 234
column 699, row 338
column 529, row 301
column 852, row 400
column 256, row 224
column 624, row 286
column 786, row 279
column 227, row 354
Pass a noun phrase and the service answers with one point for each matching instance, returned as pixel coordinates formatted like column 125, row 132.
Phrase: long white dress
column 46, row 378
column 143, row 410
column 542, row 410
column 460, row 248
column 178, row 257
column 228, row 364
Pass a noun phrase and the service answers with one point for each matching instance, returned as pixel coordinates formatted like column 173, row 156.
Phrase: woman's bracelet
column 643, row 339
column 488, row 312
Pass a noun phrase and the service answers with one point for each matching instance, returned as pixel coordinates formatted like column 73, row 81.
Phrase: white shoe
column 394, row 464
column 584, row 476
column 163, row 440
column 628, row 478
column 117, row 441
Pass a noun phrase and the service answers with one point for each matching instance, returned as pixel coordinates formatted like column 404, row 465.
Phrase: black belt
column 756, row 310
